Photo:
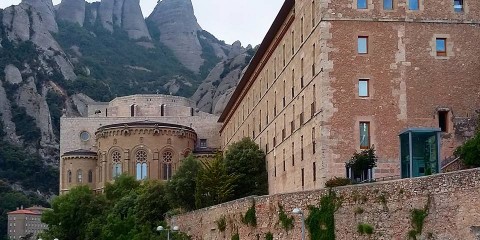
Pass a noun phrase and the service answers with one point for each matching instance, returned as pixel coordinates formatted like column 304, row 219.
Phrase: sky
column 228, row 20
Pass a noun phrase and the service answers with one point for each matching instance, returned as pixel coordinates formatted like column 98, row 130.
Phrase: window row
column 440, row 46
column 79, row 176
column 413, row 5
column 314, row 172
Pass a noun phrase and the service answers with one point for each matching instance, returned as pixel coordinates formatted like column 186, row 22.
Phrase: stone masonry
column 454, row 210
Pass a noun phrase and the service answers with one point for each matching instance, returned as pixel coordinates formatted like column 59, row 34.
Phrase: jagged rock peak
column 72, row 11
column 46, row 11
column 125, row 14
column 179, row 29
column 179, row 10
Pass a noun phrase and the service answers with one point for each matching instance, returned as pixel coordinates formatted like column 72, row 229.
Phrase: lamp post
column 160, row 228
column 299, row 211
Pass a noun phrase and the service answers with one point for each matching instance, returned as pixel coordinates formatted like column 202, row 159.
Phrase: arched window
column 116, row 164
column 100, row 174
column 141, row 160
column 90, row 176
column 79, row 176
column 167, row 164
column 69, row 176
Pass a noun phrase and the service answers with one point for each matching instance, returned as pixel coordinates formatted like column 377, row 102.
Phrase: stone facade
column 23, row 222
column 452, row 198
column 300, row 98
column 145, row 136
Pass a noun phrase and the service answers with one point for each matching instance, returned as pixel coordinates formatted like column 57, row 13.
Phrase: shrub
column 285, row 221
column 269, row 236
column 469, row 152
column 250, row 217
column 236, row 236
column 221, row 223
column 365, row 228
column 337, row 182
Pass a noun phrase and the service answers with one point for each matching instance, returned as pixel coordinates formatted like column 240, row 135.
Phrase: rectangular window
column 301, row 148
column 362, row 45
column 283, row 134
column 293, row 42
column 303, row 178
column 313, row 64
column 313, row 14
column 284, row 168
column 443, row 120
column 387, row 4
column 203, row 143
column 301, row 30
column 301, row 73
column 314, row 172
column 413, row 4
column 362, row 4
column 313, row 141
column 363, row 88
column 441, row 46
column 292, row 127
column 293, row 154
column 458, row 5
column 364, row 135
column 293, row 83
column 284, row 55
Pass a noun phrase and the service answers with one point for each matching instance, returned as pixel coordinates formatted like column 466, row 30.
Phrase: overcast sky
column 245, row 20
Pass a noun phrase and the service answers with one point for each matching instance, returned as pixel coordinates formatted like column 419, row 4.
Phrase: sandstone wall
column 454, row 210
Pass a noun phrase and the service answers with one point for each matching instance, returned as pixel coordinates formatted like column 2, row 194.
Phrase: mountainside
column 52, row 57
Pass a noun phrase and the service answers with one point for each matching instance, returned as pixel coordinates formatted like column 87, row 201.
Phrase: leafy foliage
column 365, row 228
column 118, row 66
column 236, row 236
column 250, row 217
column 56, row 104
column 221, row 223
column 214, row 184
column 360, row 162
column 285, row 221
column 268, row 236
column 418, row 219
column 469, row 152
column 19, row 166
column 337, row 182
column 183, row 184
column 245, row 159
column 320, row 222
column 128, row 210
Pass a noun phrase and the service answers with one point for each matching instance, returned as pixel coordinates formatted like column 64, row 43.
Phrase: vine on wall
column 418, row 219
column 250, row 217
column 285, row 221
column 320, row 222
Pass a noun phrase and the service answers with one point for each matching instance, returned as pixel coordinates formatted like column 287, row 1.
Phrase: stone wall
column 453, row 200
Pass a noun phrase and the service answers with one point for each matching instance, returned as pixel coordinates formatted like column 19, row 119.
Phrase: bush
column 269, row 236
column 250, row 217
column 221, row 224
column 365, row 228
column 469, row 152
column 337, row 182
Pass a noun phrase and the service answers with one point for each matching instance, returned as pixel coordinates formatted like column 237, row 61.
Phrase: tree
column 123, row 185
column 214, row 184
column 72, row 212
column 246, row 160
column 183, row 184
column 151, row 204
column 469, row 152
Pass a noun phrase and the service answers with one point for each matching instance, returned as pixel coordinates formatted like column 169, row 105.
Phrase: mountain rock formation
column 72, row 11
column 215, row 91
column 53, row 59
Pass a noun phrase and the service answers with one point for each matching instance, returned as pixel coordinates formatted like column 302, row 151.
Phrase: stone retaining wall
column 454, row 210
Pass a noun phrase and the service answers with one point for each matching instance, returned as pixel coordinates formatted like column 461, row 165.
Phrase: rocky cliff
column 72, row 11
column 215, row 92
column 50, row 60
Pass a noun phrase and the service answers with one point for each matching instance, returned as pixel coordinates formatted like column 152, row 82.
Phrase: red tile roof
column 24, row 212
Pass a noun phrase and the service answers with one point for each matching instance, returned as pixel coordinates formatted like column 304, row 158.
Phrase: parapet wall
column 453, row 200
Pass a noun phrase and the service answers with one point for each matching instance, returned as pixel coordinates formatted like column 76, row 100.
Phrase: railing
column 382, row 179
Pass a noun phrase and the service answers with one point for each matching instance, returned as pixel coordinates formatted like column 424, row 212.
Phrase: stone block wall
column 453, row 201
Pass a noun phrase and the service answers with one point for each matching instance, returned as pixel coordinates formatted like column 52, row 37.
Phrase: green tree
column 214, row 184
column 469, row 152
column 123, row 185
column 151, row 204
column 71, row 213
column 246, row 160
column 183, row 184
